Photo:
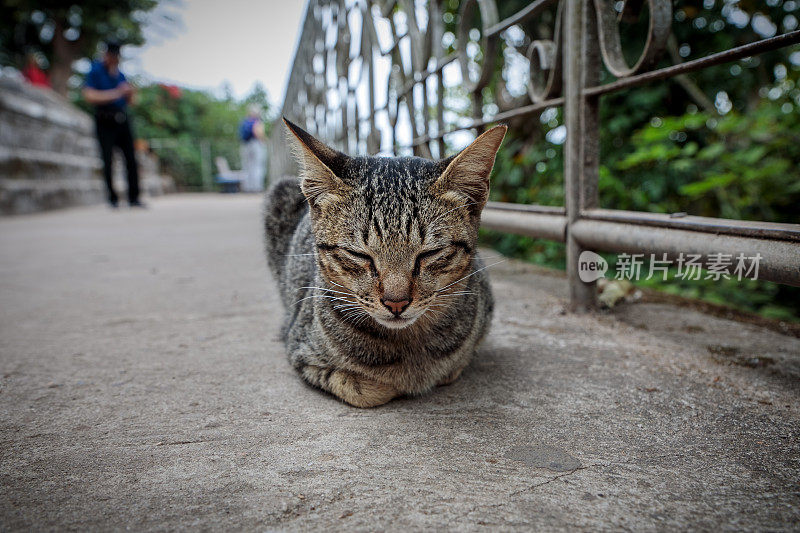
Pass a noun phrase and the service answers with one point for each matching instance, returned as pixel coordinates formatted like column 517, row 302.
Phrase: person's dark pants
column 113, row 129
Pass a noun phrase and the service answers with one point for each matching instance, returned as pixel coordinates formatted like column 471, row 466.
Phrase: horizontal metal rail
column 424, row 75
column 395, row 44
column 528, row 12
column 526, row 208
column 478, row 122
column 779, row 260
column 743, row 228
column 733, row 54
column 541, row 222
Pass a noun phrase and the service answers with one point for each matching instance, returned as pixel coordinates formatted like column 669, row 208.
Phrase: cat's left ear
column 467, row 175
column 318, row 165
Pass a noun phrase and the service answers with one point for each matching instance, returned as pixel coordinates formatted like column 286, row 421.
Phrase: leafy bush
column 187, row 129
column 740, row 166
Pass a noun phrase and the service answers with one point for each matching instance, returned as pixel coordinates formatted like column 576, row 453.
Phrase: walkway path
column 142, row 386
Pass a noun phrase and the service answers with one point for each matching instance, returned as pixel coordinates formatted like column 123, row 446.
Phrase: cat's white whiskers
column 321, row 296
column 346, row 289
column 355, row 316
column 341, row 286
column 439, row 306
column 324, row 289
column 455, row 293
column 471, row 274
column 351, row 313
column 432, row 314
column 362, row 319
column 346, row 307
column 367, row 317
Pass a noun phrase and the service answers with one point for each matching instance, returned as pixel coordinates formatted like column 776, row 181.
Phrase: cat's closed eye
column 358, row 255
column 440, row 257
column 348, row 258
column 426, row 255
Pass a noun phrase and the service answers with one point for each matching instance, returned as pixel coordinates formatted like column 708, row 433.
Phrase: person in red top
column 33, row 73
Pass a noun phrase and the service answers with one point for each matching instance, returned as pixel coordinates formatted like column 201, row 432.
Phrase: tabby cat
column 375, row 261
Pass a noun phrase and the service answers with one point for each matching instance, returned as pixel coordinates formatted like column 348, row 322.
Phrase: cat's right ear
column 466, row 177
column 320, row 184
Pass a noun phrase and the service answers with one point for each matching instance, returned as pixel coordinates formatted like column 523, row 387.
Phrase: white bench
column 229, row 180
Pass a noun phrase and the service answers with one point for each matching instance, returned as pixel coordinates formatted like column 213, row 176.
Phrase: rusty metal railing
column 368, row 94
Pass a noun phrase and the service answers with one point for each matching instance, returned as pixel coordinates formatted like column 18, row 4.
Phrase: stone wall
column 48, row 153
column 49, row 157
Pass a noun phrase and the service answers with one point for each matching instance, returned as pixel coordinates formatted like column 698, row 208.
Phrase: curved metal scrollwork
column 608, row 28
column 545, row 57
column 332, row 104
column 489, row 18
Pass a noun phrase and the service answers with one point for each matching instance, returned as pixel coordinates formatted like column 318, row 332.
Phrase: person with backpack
column 251, row 133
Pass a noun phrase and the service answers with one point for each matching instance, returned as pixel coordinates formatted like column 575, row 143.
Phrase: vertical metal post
column 440, row 111
column 577, row 182
column 477, row 108
column 436, row 31
column 590, row 110
column 205, row 164
column 373, row 138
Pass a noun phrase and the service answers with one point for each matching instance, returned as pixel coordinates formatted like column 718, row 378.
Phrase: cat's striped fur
column 376, row 266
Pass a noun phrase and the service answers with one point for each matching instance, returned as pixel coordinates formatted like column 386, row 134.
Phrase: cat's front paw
column 451, row 377
column 360, row 391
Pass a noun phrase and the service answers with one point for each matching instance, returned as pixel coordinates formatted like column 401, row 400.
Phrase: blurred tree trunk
column 64, row 54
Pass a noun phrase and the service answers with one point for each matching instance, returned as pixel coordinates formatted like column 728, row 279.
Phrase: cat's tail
column 285, row 206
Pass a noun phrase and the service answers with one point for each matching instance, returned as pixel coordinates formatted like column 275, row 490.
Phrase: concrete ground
column 143, row 387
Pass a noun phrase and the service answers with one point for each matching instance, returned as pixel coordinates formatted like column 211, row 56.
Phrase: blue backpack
column 246, row 129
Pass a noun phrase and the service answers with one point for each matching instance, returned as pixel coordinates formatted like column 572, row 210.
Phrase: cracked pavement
column 143, row 387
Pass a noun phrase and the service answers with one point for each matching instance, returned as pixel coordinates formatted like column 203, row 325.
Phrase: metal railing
column 365, row 96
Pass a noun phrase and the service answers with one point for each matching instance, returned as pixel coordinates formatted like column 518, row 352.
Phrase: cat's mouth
column 396, row 322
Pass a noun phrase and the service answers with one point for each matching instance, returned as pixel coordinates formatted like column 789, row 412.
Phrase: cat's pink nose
column 396, row 307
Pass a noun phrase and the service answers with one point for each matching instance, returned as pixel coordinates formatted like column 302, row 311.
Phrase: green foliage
column 746, row 168
column 767, row 299
column 187, row 129
column 62, row 32
column 529, row 174
column 546, row 253
column 26, row 23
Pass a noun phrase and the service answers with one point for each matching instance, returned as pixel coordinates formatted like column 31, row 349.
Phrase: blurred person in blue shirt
column 253, row 152
column 107, row 89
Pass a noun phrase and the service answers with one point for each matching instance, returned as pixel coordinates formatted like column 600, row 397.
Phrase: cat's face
column 395, row 236
column 398, row 249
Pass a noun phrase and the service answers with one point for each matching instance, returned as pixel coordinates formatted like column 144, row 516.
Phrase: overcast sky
column 238, row 41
